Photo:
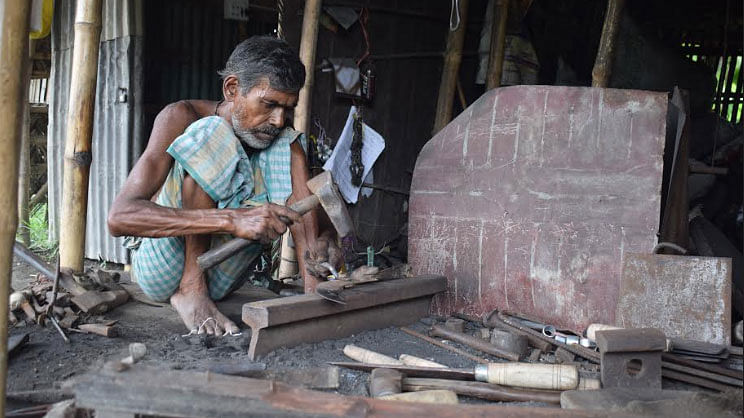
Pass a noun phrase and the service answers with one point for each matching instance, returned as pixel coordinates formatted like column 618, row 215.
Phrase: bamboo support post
column 498, row 44
column 308, row 44
column 603, row 64
column 24, row 165
column 452, row 59
column 79, row 134
column 14, row 21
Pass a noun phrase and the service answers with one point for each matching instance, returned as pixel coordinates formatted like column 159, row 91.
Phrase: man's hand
column 322, row 250
column 263, row 223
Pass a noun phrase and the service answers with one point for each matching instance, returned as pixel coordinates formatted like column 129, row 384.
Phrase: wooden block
column 326, row 377
column 177, row 393
column 99, row 329
column 426, row 396
column 95, row 302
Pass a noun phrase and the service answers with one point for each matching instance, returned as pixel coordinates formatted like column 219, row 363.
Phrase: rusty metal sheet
column 528, row 200
column 686, row 297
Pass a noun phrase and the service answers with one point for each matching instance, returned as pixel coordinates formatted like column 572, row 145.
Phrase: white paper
column 340, row 161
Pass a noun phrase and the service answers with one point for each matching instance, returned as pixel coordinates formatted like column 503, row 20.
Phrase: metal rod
column 473, row 342
column 56, row 325
column 445, row 346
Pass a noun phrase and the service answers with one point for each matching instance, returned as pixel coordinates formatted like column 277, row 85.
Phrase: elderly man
column 216, row 170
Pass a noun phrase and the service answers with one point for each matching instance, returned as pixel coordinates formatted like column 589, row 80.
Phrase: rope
column 455, row 12
column 280, row 19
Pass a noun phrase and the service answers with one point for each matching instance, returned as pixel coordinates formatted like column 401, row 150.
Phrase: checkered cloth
column 212, row 155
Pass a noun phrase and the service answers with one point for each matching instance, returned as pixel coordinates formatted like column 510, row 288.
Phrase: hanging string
column 455, row 12
column 280, row 19
column 363, row 17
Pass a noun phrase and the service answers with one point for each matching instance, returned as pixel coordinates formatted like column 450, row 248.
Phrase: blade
column 331, row 290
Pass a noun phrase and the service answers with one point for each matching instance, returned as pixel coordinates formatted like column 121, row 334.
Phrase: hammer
column 324, row 194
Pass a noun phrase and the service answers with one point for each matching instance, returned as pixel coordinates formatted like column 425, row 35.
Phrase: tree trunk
column 13, row 52
column 79, row 134
column 452, row 59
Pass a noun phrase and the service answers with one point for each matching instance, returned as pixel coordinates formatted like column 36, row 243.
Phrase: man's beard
column 249, row 138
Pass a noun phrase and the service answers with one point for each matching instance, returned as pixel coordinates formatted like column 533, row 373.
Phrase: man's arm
column 307, row 237
column 133, row 212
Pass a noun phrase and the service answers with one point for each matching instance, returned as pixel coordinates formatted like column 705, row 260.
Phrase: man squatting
column 217, row 170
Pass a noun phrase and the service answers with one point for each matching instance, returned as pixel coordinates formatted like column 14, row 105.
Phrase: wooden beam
column 149, row 391
column 606, row 52
column 13, row 51
column 308, row 44
column 452, row 59
column 498, row 44
column 79, row 135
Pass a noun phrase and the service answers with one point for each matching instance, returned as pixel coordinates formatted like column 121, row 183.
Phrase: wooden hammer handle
column 217, row 255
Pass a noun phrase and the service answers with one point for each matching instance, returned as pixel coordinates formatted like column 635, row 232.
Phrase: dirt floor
column 46, row 360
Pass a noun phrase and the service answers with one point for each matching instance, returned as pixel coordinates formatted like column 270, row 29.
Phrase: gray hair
column 260, row 57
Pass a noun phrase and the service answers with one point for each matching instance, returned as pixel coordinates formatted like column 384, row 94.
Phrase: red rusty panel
column 528, row 200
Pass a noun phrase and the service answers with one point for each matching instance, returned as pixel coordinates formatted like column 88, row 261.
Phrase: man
column 214, row 170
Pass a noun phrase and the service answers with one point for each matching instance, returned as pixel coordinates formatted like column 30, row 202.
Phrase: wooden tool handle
column 363, row 355
column 534, row 376
column 217, row 255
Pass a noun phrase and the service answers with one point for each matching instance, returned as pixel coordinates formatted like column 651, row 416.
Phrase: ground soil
column 46, row 361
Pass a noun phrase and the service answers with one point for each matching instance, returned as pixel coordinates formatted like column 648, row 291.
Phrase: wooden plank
column 274, row 312
column 176, row 393
column 264, row 340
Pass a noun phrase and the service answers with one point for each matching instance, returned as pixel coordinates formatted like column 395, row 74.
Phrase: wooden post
column 452, row 59
column 498, row 44
column 79, row 134
column 13, row 52
column 606, row 52
column 24, row 168
column 308, row 44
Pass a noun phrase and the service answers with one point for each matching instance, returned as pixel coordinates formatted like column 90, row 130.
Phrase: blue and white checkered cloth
column 212, row 155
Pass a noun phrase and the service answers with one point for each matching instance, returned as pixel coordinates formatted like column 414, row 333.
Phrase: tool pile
column 529, row 361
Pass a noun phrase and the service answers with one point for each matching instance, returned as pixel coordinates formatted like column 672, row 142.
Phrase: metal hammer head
column 323, row 187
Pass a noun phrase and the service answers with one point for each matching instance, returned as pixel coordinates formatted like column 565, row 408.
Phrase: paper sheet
column 340, row 161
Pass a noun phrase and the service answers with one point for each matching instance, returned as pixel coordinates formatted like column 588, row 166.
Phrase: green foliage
column 38, row 227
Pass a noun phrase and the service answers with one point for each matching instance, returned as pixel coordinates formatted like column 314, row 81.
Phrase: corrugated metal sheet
column 117, row 128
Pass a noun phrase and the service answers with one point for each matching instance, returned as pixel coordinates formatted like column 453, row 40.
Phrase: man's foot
column 195, row 310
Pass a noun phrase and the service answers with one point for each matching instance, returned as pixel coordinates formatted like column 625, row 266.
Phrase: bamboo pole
column 452, row 59
column 24, row 167
column 603, row 64
column 13, row 51
column 308, row 44
column 79, row 134
column 498, row 44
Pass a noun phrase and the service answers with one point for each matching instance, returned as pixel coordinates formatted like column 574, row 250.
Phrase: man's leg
column 192, row 300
